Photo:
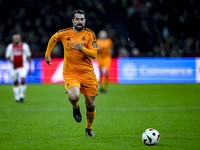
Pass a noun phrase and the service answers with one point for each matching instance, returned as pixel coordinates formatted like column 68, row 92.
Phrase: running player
column 79, row 49
column 17, row 53
column 104, row 58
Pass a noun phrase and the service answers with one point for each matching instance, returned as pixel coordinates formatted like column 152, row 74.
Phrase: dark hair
column 78, row 11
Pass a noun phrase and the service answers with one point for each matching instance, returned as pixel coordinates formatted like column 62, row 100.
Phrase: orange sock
column 90, row 117
column 75, row 105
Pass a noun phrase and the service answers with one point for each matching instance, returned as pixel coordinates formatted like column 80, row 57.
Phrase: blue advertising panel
column 5, row 70
column 5, row 76
column 36, row 75
column 156, row 70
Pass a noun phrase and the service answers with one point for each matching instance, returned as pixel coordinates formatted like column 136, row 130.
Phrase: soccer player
column 78, row 73
column 17, row 53
column 104, row 58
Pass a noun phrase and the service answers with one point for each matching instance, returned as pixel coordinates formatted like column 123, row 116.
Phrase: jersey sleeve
column 8, row 51
column 91, row 51
column 92, row 44
column 27, row 49
column 53, row 40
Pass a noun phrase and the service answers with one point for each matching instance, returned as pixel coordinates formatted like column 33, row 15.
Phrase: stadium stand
column 142, row 28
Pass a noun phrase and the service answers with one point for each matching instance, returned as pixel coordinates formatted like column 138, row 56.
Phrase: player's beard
column 80, row 28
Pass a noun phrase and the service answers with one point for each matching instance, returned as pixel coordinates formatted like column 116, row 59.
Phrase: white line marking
column 104, row 109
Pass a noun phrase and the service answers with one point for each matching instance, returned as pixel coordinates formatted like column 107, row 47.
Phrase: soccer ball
column 150, row 136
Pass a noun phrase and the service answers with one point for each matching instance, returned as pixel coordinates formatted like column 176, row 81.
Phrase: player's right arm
column 53, row 40
column 8, row 53
column 111, row 47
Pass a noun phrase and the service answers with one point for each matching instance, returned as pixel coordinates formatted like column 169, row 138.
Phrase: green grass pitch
column 45, row 120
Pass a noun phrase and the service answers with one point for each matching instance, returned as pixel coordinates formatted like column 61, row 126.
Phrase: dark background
column 138, row 28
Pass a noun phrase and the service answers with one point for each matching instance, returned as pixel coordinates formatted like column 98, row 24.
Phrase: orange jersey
column 105, row 46
column 75, row 61
column 104, row 57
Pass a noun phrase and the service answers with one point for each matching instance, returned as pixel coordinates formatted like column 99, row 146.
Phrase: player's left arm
column 111, row 47
column 29, row 60
column 28, row 55
column 91, row 51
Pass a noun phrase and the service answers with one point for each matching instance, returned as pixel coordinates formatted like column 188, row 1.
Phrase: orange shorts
column 87, row 83
column 104, row 62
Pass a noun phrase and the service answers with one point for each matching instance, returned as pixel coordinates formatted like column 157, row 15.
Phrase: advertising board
column 156, row 70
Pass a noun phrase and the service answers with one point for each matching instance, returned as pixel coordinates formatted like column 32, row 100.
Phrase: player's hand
column 77, row 46
column 48, row 60
column 10, row 60
column 30, row 71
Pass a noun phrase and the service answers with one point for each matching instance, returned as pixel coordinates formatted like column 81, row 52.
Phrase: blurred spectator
column 135, row 52
column 105, row 46
column 149, row 23
column 123, row 52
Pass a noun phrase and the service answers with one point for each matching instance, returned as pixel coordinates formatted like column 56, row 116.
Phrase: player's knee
column 23, row 81
column 90, row 102
column 74, row 98
column 90, row 106
column 15, row 83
